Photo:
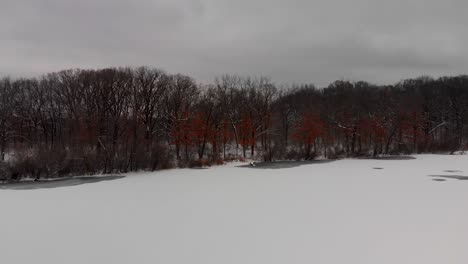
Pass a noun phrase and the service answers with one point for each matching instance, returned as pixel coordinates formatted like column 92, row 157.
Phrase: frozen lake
column 362, row 211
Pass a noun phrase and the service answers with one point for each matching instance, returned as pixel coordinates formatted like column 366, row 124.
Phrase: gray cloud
column 291, row 41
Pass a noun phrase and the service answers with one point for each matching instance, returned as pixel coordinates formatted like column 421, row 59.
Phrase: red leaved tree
column 307, row 131
column 226, row 134
column 181, row 134
column 412, row 129
column 373, row 130
column 202, row 132
column 246, row 133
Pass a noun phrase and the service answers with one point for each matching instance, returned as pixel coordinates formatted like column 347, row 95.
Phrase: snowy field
column 394, row 211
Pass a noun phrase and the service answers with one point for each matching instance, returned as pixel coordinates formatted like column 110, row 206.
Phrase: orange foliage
column 246, row 132
column 309, row 128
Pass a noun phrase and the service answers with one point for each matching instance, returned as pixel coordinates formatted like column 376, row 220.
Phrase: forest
column 116, row 120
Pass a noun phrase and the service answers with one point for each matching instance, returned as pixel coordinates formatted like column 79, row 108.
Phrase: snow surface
column 347, row 211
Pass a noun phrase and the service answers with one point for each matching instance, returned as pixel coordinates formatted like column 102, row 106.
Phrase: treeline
column 127, row 119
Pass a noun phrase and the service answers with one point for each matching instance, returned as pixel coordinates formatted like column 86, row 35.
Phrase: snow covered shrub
column 219, row 161
column 36, row 164
column 4, row 172
column 25, row 167
column 161, row 158
column 199, row 163
column 89, row 162
column 293, row 154
column 231, row 158
column 51, row 161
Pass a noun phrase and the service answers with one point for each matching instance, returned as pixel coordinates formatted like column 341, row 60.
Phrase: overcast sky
column 316, row 41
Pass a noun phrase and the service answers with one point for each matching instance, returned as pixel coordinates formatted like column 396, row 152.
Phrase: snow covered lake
column 354, row 211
